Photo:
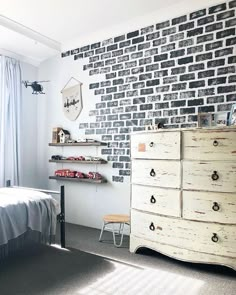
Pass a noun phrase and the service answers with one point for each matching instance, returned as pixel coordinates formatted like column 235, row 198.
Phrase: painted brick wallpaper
column 167, row 72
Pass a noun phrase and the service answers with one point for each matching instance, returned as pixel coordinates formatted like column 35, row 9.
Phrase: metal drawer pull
column 215, row 206
column 215, row 143
column 152, row 227
column 215, row 176
column 153, row 200
column 214, row 238
column 151, row 144
column 152, row 173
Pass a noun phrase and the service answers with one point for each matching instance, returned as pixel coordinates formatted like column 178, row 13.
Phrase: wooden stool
column 113, row 219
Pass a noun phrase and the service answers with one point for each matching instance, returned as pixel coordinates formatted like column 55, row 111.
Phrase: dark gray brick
column 168, row 47
column 194, row 32
column 133, row 34
column 137, row 70
column 93, row 85
column 204, row 56
column 205, row 74
column 130, row 49
column 170, row 96
column 216, row 81
column 117, row 165
column 177, row 53
column 122, row 58
column 146, row 91
column 230, row 41
column 177, row 37
column 232, row 79
column 168, row 113
column 169, row 31
column 186, row 42
column 226, row 14
column 186, row 26
column 178, row 70
column 148, row 29
column 119, row 95
column 163, row 88
column 119, row 38
column 217, row 8
column 169, row 80
column 124, row 43
column 117, row 178
column 178, row 103
column 124, row 73
column 137, row 40
column 152, row 36
column 206, row 20
column 111, row 61
column 111, row 89
column 196, row 67
column 146, row 76
column 223, row 52
column 197, row 13
column 205, row 38
column 136, row 55
column 225, row 33
column 144, row 61
column 153, row 67
column 168, row 64
column 195, row 49
column 159, row 41
column 230, row 23
column 216, row 63
column 154, row 98
column 139, row 100
column 163, row 25
column 214, row 45
column 232, row 59
column 184, row 111
column 206, row 109
column 160, row 57
column 215, row 99
column 232, row 4
column 178, row 20
column 185, row 60
column 151, row 52
column 226, row 89
column 153, row 82
column 161, row 105
column 197, row 84
column 186, row 77
column 187, row 94
column 110, row 76
column 144, row 46
column 100, row 50
column 138, row 85
column 231, row 97
column 206, row 92
column 179, row 86
column 161, row 73
column 214, row 27
column 226, row 70
column 131, row 79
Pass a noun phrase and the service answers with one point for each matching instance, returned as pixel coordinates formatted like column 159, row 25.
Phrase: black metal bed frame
column 61, row 215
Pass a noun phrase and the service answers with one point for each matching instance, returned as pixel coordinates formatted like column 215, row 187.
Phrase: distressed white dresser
column 183, row 194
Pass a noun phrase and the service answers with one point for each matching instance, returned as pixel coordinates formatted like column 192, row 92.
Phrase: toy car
column 61, row 172
column 80, row 158
column 71, row 174
column 94, row 175
column 70, row 158
column 80, row 175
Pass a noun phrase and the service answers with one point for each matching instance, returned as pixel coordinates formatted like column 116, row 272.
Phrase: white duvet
column 24, row 209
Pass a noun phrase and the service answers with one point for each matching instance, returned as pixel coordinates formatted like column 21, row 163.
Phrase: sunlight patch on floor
column 59, row 247
column 131, row 280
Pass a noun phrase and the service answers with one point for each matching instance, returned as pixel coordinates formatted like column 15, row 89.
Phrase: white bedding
column 24, row 209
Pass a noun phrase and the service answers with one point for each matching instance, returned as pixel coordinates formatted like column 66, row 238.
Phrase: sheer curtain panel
column 10, row 114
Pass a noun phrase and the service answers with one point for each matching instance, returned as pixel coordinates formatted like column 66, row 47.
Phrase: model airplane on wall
column 36, row 86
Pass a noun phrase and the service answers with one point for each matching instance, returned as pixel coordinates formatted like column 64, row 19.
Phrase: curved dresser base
column 182, row 254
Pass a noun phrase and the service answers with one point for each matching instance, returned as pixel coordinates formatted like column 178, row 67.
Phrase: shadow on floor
column 48, row 270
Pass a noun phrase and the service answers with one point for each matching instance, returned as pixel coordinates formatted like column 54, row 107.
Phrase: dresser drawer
column 156, row 145
column 209, row 145
column 156, row 200
column 209, row 176
column 192, row 235
column 209, row 206
column 156, row 172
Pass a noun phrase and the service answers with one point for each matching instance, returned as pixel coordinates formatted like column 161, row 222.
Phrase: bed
column 27, row 215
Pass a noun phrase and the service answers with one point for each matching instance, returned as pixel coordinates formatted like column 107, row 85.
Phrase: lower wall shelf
column 79, row 179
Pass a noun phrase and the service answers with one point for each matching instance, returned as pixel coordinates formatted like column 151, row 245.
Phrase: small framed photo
column 232, row 116
column 221, row 118
column 204, row 120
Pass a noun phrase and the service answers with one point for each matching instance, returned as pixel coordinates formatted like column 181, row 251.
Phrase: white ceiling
column 63, row 20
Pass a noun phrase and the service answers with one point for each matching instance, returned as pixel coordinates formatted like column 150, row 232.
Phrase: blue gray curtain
column 10, row 118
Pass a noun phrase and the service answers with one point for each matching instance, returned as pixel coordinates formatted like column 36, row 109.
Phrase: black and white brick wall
column 167, row 72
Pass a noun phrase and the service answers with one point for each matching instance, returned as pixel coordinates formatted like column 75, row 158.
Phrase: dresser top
column 197, row 129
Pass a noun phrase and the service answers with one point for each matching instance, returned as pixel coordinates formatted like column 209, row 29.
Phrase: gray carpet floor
column 94, row 268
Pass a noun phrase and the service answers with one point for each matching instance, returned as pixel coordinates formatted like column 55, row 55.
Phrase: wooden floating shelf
column 79, row 179
column 78, row 161
column 96, row 143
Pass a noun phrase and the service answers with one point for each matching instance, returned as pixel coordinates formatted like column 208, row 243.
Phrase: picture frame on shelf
column 232, row 116
column 204, row 120
column 221, row 118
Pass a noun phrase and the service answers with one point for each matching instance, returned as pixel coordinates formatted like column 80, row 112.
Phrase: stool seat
column 116, row 218
column 113, row 219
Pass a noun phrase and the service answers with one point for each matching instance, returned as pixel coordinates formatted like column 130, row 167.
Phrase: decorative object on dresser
column 232, row 117
column 204, row 120
column 64, row 135
column 184, row 194
column 55, row 134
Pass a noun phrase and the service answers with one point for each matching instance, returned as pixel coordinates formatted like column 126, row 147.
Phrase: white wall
column 29, row 128
column 87, row 203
